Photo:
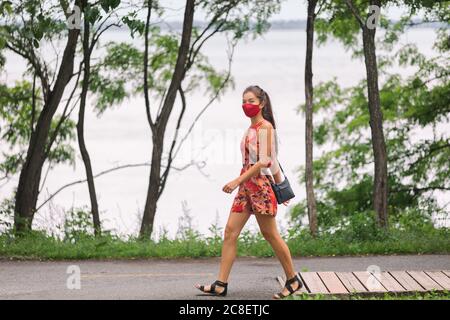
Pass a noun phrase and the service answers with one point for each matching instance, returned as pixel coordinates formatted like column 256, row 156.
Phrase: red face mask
column 250, row 110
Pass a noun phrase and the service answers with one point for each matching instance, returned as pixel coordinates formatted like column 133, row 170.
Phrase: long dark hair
column 267, row 112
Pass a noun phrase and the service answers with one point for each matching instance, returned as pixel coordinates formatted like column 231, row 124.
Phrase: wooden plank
column 332, row 282
column 351, row 282
column 369, row 281
column 424, row 280
column 280, row 280
column 302, row 289
column 390, row 283
column 440, row 278
column 362, row 281
column 406, row 281
column 313, row 282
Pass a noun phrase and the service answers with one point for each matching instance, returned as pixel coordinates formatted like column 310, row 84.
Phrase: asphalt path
column 251, row 278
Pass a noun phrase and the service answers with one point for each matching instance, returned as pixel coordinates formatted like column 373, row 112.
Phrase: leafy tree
column 309, row 93
column 169, row 67
column 24, row 25
column 19, row 105
column 418, row 162
column 94, row 25
column 344, row 21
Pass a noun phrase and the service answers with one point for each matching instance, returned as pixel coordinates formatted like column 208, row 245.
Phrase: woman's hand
column 286, row 202
column 230, row 186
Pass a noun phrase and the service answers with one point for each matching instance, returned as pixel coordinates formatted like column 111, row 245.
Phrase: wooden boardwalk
column 367, row 283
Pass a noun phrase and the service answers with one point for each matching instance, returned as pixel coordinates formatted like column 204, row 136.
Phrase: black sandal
column 288, row 286
column 213, row 291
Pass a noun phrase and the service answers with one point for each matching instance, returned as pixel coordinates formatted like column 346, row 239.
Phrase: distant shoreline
column 276, row 25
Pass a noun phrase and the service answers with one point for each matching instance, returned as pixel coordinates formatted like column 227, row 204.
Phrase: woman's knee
column 269, row 234
column 231, row 233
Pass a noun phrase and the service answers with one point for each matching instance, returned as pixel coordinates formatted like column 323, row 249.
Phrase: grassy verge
column 40, row 246
column 432, row 295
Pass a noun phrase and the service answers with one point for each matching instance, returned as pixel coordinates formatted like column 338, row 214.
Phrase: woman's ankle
column 222, row 279
column 290, row 276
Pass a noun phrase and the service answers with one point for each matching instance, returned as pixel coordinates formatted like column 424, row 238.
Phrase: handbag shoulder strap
column 281, row 168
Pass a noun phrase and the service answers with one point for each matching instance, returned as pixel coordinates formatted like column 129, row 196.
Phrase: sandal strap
column 220, row 283
column 289, row 283
column 289, row 287
column 293, row 279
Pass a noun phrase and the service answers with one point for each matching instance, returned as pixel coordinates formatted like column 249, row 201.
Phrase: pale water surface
column 121, row 136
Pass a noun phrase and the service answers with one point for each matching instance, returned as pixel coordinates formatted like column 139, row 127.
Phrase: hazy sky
column 290, row 10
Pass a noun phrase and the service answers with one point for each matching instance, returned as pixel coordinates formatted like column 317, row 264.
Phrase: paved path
column 251, row 278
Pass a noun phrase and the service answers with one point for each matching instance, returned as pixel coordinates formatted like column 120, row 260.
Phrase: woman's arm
column 252, row 171
column 278, row 176
column 233, row 184
column 265, row 160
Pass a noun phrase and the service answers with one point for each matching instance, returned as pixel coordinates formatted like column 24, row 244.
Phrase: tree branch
column 355, row 13
column 145, row 164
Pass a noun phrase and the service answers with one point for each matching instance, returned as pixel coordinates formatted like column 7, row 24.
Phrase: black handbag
column 282, row 190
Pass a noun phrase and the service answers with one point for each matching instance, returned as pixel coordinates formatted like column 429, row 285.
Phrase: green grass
column 432, row 295
column 192, row 245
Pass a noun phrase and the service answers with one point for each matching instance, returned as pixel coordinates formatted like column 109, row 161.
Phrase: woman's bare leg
column 233, row 228
column 269, row 230
column 236, row 221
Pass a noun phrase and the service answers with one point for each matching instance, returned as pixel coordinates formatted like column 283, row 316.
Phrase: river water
column 121, row 135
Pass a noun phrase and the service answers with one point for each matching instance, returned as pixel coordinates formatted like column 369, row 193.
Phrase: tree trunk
column 153, row 189
column 30, row 174
column 80, row 130
column 310, row 197
column 162, row 120
column 380, row 188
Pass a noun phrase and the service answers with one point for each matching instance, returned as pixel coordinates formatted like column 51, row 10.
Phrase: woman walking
column 255, row 194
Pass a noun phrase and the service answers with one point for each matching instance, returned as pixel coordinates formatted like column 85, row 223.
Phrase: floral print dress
column 255, row 195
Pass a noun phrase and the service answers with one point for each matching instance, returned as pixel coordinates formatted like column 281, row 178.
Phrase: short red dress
column 255, row 195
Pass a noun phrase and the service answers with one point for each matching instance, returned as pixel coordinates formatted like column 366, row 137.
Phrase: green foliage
column 119, row 74
column 6, row 215
column 79, row 243
column 6, row 7
column 15, row 112
column 78, row 225
column 242, row 18
column 335, row 20
column 134, row 24
column 108, row 5
column 39, row 21
column 361, row 226
column 418, row 162
column 416, row 295
column 17, row 121
column 186, row 230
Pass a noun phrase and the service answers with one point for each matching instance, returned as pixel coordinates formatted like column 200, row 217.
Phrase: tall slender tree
column 380, row 187
column 90, row 37
column 22, row 39
column 309, row 178
column 158, row 128
column 230, row 15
